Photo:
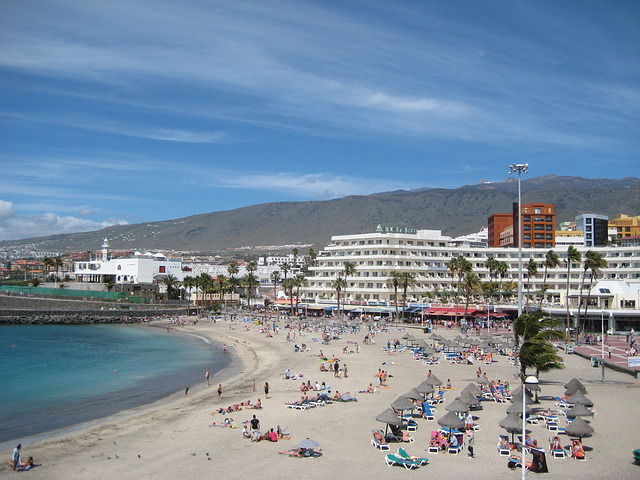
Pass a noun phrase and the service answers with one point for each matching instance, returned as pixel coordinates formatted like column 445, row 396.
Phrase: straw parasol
column 451, row 421
column 468, row 399
column 413, row 394
column 579, row 428
column 579, row 410
column 424, row 388
column 433, row 380
column 483, row 381
column 402, row 403
column 472, row 389
column 390, row 418
column 512, row 423
column 575, row 381
column 517, row 408
column 579, row 397
column 457, row 406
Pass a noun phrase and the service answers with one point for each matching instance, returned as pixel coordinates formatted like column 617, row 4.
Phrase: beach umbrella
column 413, row 394
column 579, row 397
column 308, row 443
column 435, row 336
column 472, row 389
column 573, row 388
column 433, row 380
column 483, row 381
column 512, row 423
column 579, row 410
column 451, row 421
column 459, row 339
column 406, row 336
column 424, row 388
column 517, row 408
column 390, row 418
column 468, row 399
column 473, row 341
column 402, row 403
column 346, row 397
column 575, row 381
column 578, row 428
column 457, row 406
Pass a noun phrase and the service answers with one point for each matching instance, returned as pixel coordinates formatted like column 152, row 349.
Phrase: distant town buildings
column 538, row 226
column 595, row 228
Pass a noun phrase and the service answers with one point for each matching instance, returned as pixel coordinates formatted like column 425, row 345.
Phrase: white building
column 142, row 268
column 426, row 254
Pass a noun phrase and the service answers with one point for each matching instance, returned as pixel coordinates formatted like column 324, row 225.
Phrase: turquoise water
column 55, row 376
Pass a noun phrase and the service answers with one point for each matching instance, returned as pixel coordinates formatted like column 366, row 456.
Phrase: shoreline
column 178, row 438
column 234, row 363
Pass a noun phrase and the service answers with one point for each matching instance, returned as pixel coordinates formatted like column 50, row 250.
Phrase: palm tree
column 534, row 332
column 285, row 267
column 405, row 279
column 221, row 286
column 189, row 282
column 35, row 282
column 288, row 286
column 349, row 271
column 294, row 252
column 110, row 285
column 312, row 256
column 492, row 265
column 595, row 262
column 394, row 281
column 299, row 281
column 470, row 284
column 205, row 283
column 275, row 278
column 48, row 263
column 338, row 285
column 461, row 266
column 532, row 271
column 551, row 260
column 172, row 284
column 573, row 255
column 57, row 262
column 502, row 268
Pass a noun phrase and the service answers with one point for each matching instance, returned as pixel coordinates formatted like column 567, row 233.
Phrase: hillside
column 454, row 211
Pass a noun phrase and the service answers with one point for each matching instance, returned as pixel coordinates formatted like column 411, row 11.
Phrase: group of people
column 17, row 462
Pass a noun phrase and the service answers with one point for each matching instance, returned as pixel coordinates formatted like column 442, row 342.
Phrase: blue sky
column 129, row 111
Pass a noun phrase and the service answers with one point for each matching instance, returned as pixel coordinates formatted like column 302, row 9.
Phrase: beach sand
column 176, row 439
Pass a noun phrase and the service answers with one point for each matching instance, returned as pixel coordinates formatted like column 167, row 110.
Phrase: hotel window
column 538, row 210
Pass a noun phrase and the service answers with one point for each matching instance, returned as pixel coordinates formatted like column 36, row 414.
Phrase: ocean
column 57, row 376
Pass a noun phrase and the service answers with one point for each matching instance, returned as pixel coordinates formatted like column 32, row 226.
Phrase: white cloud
column 317, row 186
column 13, row 226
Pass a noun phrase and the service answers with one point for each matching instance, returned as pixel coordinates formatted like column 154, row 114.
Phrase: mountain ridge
column 454, row 211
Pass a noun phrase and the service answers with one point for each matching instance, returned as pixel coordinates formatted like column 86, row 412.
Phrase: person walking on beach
column 336, row 368
column 224, row 348
column 255, row 429
column 470, row 442
column 219, row 390
column 206, row 376
column 610, row 350
column 15, row 459
column 186, row 392
column 266, row 389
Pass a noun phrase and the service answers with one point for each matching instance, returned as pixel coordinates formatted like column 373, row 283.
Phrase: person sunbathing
column 257, row 406
column 296, row 452
column 576, row 448
column 435, row 441
column 555, row 444
column 302, row 400
column 504, row 443
column 281, row 435
column 530, row 442
column 323, row 367
column 337, row 396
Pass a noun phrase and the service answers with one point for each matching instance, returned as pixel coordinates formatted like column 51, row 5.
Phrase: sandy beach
column 176, row 438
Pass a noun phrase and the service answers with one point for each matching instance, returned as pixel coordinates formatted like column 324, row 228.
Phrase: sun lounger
column 392, row 460
column 435, row 437
column 504, row 449
column 379, row 441
column 577, row 451
column 403, row 454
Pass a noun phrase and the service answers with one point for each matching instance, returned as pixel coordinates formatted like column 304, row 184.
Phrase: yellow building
column 626, row 226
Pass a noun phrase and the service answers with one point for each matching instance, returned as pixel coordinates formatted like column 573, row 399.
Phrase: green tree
column 294, row 252
column 189, row 282
column 110, row 285
column 573, row 255
column 205, row 285
column 595, row 262
column 492, row 265
column 312, row 256
column 405, row 280
column 299, row 281
column 338, row 285
column 470, row 284
column 233, row 280
column 532, row 271
column 460, row 266
column 57, row 262
column 551, row 260
column 285, row 267
column 48, row 264
column 275, row 278
column 349, row 271
column 221, row 286
column 502, row 268
column 534, row 333
column 172, row 285
column 289, row 286
column 34, row 282
column 394, row 281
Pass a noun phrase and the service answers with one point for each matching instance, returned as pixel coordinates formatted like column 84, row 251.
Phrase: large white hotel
column 426, row 254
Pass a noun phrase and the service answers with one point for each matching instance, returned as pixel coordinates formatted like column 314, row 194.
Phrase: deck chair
column 427, row 411
column 503, row 450
column 455, row 450
column 403, row 454
column 379, row 441
column 412, row 426
column 560, row 403
column 392, row 460
column 435, row 436
column 577, row 451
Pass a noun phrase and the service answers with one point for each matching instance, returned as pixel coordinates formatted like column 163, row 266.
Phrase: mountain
column 454, row 211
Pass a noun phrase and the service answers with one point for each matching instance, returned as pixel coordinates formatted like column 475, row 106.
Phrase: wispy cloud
column 310, row 186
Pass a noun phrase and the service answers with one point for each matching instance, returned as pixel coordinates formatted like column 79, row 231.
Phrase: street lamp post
column 519, row 168
column 528, row 381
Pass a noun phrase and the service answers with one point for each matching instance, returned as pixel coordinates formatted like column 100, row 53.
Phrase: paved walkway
column 619, row 345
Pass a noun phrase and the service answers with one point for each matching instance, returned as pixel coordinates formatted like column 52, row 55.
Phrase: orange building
column 497, row 223
column 538, row 227
column 626, row 226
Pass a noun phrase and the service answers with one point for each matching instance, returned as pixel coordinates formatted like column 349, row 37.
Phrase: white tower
column 105, row 250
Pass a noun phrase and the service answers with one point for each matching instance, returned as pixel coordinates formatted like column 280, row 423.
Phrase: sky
column 129, row 111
